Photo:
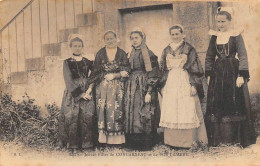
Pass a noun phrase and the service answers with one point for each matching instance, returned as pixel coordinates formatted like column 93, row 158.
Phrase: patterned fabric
column 110, row 95
column 77, row 119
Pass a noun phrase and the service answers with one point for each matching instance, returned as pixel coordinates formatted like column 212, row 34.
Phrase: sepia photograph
column 129, row 82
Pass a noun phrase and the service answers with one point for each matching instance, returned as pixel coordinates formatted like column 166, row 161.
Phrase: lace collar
column 223, row 37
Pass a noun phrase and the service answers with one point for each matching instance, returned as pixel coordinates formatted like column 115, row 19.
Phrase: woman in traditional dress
column 110, row 91
column 142, row 105
column 77, row 118
column 181, row 114
column 228, row 116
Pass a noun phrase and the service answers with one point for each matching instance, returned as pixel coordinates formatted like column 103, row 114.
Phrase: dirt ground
column 14, row 154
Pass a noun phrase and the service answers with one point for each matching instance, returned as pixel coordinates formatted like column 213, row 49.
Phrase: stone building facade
column 34, row 44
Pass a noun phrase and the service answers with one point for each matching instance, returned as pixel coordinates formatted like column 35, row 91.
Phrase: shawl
column 144, row 50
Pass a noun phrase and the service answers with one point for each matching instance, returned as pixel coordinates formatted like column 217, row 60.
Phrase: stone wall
column 42, row 76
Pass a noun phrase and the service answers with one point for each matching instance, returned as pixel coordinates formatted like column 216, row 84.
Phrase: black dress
column 77, row 121
column 228, row 117
column 142, row 119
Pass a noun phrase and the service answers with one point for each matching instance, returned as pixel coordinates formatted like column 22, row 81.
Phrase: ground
column 15, row 154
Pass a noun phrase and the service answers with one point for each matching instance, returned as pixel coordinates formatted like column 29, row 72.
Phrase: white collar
column 174, row 46
column 223, row 37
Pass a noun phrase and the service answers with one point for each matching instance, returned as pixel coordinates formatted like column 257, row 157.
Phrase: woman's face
column 176, row 35
column 136, row 39
column 223, row 23
column 76, row 47
column 110, row 40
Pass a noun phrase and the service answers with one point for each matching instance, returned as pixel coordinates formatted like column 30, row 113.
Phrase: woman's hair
column 76, row 39
column 138, row 32
column 110, row 32
column 225, row 13
column 176, row 27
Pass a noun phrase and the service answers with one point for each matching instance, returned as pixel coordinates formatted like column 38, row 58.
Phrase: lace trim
column 231, row 33
column 180, row 125
column 112, row 133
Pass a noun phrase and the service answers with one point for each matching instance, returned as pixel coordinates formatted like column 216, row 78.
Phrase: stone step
column 33, row 64
column 87, row 25
column 86, row 19
column 19, row 77
column 83, row 20
column 6, row 89
column 53, row 49
column 64, row 34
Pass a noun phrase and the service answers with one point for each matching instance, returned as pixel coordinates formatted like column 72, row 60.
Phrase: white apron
column 178, row 109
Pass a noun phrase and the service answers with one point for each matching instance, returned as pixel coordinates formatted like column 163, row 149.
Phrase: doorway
column 154, row 20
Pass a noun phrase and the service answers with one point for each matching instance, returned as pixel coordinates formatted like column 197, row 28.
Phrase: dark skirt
column 141, row 141
column 77, row 123
column 142, row 120
column 228, row 117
